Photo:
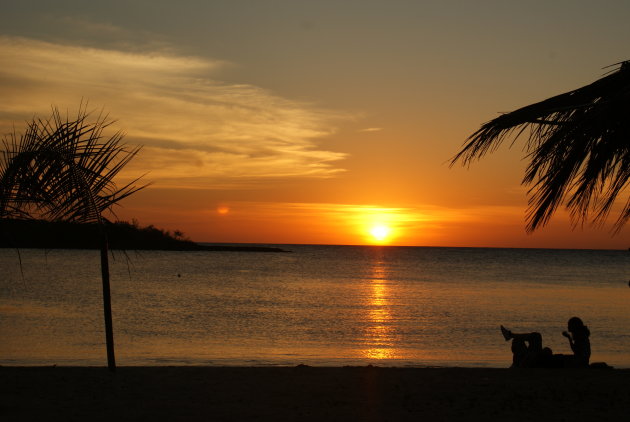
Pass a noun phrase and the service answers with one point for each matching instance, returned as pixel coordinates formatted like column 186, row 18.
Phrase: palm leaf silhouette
column 578, row 147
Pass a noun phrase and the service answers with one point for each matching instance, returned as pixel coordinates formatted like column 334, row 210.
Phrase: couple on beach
column 528, row 352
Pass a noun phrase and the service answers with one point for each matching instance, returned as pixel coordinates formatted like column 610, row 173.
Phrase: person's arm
column 571, row 343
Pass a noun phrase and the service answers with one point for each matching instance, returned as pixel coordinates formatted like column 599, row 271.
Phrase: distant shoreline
column 227, row 248
column 312, row 394
column 40, row 234
column 201, row 248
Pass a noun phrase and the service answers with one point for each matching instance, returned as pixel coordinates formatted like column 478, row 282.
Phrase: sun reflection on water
column 379, row 341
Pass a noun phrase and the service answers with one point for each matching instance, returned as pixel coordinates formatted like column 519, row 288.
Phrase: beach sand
column 312, row 394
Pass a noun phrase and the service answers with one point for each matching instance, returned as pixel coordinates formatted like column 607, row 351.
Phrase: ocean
column 315, row 305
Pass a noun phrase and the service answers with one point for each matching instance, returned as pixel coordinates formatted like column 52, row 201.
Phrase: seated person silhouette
column 528, row 351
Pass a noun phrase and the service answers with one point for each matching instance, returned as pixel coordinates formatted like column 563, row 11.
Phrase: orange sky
column 314, row 122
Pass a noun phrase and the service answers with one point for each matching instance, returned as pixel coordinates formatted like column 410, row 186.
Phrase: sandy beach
column 311, row 394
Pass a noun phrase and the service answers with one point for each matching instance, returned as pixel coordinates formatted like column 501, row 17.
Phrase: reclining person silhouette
column 528, row 351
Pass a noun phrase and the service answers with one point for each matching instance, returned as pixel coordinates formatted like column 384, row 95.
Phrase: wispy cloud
column 194, row 127
column 371, row 129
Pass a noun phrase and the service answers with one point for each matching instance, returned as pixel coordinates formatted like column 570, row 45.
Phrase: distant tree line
column 122, row 235
column 70, row 235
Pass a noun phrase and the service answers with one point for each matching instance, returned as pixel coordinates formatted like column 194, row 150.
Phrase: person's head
column 576, row 325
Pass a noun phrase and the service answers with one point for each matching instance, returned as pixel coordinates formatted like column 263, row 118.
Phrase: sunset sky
column 328, row 122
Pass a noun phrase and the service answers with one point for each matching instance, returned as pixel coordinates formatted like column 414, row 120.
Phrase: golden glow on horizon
column 381, row 225
column 380, row 232
column 350, row 224
column 216, row 220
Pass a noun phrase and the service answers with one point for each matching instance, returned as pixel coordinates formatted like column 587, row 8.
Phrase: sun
column 380, row 232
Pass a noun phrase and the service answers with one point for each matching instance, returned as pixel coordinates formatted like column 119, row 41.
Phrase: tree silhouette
column 63, row 170
column 578, row 148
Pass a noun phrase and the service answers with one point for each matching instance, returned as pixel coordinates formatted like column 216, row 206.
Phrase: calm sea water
column 318, row 305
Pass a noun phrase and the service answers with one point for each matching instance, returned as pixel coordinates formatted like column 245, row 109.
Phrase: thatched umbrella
column 63, row 170
column 578, row 147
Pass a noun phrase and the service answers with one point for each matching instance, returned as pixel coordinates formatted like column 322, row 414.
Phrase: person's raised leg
column 526, row 347
column 507, row 334
column 533, row 340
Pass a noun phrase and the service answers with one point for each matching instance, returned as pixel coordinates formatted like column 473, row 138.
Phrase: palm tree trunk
column 107, row 303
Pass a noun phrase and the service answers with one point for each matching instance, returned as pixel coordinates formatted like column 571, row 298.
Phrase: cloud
column 371, row 129
column 195, row 129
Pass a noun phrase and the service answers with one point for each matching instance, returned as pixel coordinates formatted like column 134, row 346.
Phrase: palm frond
column 62, row 169
column 578, row 148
